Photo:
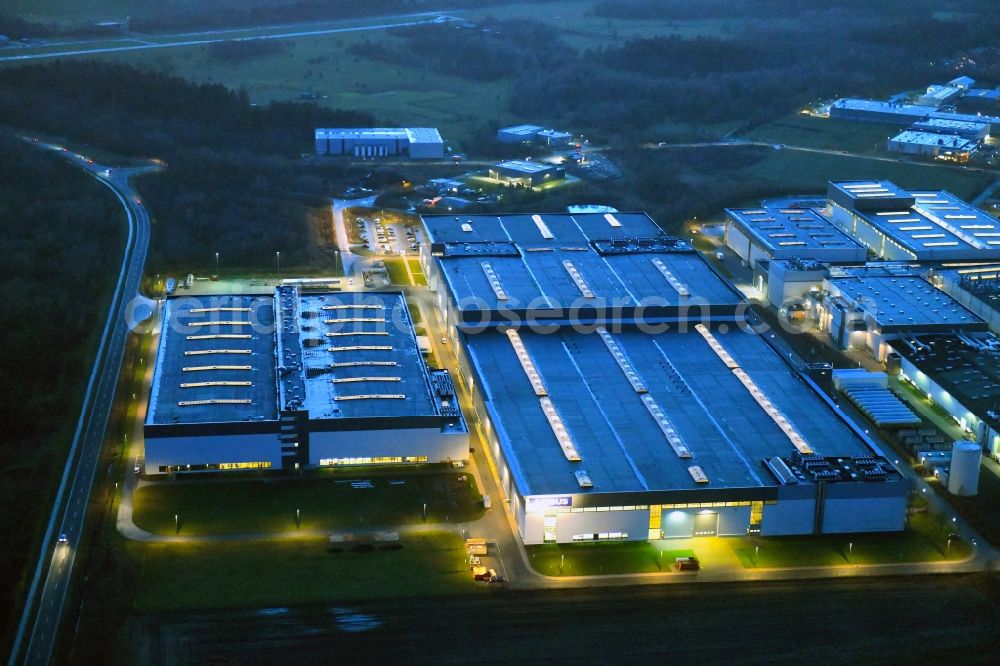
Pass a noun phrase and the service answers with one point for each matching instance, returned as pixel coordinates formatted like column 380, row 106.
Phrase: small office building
column 526, row 174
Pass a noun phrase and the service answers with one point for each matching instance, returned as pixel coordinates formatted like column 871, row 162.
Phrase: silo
column 963, row 478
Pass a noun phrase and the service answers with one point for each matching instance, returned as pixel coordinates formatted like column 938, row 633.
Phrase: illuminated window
column 601, row 536
column 245, row 465
column 377, row 460
column 756, row 512
column 655, row 522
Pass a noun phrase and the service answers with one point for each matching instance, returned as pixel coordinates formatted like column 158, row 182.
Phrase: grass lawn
column 583, row 30
column 799, row 130
column 301, row 571
column 924, row 541
column 395, row 94
column 983, row 510
column 797, row 171
column 268, row 505
column 418, row 272
column 588, row 559
column 397, row 272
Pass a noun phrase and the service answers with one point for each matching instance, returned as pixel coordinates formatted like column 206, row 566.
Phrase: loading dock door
column 706, row 524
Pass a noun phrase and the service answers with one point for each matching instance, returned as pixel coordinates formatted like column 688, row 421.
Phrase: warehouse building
column 766, row 233
column 518, row 133
column 872, row 111
column 526, row 174
column 938, row 95
column 961, row 374
column 412, row 142
column 981, row 100
column 894, row 113
column 605, row 427
column 533, row 134
column 869, row 307
column 976, row 286
column 900, row 225
column 948, row 147
column 975, row 131
column 551, row 137
column 296, row 380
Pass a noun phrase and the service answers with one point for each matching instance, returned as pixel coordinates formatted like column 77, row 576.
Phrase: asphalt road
column 900, row 620
column 86, row 48
column 39, row 625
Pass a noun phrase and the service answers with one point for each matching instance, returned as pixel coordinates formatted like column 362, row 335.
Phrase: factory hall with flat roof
column 296, row 380
column 624, row 398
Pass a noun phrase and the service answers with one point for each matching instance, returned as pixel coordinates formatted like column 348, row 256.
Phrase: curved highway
column 38, row 629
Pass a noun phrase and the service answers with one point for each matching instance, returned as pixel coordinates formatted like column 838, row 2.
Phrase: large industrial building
column 621, row 398
column 873, row 111
column 296, row 380
column 870, row 307
column 766, row 233
column 976, row 286
column 895, row 113
column 961, row 374
column 412, row 142
column 900, row 225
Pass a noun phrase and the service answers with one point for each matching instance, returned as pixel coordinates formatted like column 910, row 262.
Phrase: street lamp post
column 277, row 256
column 216, row 263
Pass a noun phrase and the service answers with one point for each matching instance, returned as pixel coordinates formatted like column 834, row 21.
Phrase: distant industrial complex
column 924, row 307
column 933, row 132
column 409, row 142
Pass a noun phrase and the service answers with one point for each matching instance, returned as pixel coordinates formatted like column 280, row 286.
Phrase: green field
column 583, row 30
column 418, row 272
column 270, row 504
column 797, row 171
column 799, row 130
column 303, row 571
column 397, row 271
column 395, row 94
column 924, row 541
column 594, row 559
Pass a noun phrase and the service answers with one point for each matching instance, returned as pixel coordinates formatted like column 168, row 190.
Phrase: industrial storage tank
column 963, row 479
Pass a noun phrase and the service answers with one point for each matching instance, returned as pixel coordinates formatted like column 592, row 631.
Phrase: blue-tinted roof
column 621, row 446
column 345, row 355
column 939, row 221
column 523, row 229
column 900, row 300
column 215, row 348
column 801, row 230
column 563, row 261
